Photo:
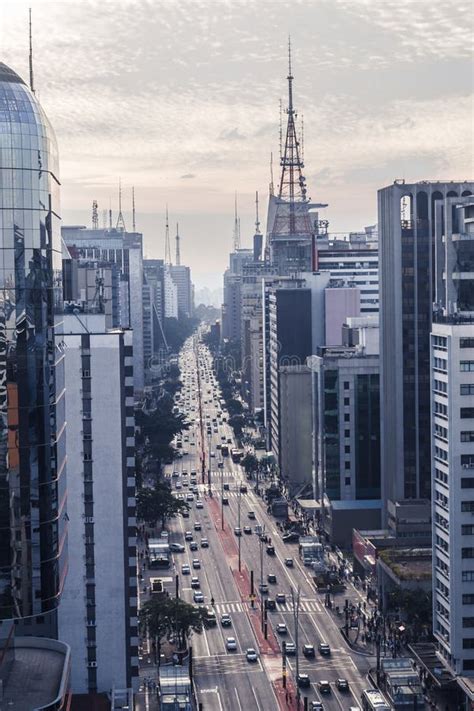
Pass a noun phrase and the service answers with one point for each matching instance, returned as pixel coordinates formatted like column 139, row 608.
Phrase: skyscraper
column 33, row 528
column 407, row 278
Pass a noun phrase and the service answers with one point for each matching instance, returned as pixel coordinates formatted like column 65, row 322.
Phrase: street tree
column 158, row 504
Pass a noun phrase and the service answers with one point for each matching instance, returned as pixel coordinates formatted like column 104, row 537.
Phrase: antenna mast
column 120, row 220
column 167, row 240
column 257, row 221
column 95, row 215
column 32, row 84
column 272, row 185
column 236, row 226
column 178, row 253
column 134, row 226
column 110, row 213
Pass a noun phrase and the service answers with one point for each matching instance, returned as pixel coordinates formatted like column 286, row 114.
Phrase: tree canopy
column 165, row 617
column 158, row 504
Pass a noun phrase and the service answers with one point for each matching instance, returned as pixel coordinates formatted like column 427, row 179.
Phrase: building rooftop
column 408, row 563
column 7, row 74
column 38, row 675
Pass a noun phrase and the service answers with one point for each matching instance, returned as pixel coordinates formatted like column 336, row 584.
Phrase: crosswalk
column 308, row 606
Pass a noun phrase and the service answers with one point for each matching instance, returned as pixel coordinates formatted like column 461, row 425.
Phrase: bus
column 236, row 455
column 159, row 552
column 373, row 700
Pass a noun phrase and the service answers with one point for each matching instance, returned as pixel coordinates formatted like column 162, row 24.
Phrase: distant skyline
column 181, row 100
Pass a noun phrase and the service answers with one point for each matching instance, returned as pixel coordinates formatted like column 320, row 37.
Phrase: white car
column 198, row 597
column 231, row 644
column 196, row 563
column 251, row 655
column 199, row 504
column 185, row 569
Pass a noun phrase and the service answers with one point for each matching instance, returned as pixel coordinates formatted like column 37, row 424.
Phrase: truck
column 279, row 507
column 157, row 588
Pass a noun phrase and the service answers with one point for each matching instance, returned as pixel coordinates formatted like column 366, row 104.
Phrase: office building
column 406, row 223
column 171, row 295
column 125, row 251
column 33, row 493
column 98, row 614
column 181, row 276
column 452, row 433
column 232, row 295
column 295, row 429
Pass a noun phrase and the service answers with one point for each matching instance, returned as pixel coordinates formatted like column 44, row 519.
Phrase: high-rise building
column 181, row 276
column 33, row 529
column 125, row 251
column 407, row 292
column 171, row 295
column 98, row 614
column 452, row 434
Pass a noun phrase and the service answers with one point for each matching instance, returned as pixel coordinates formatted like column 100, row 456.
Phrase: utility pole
column 222, row 496
column 238, row 526
column 209, row 490
column 296, row 611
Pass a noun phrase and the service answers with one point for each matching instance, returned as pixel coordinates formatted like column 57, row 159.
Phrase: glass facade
column 331, row 434
column 367, row 436
column 32, row 422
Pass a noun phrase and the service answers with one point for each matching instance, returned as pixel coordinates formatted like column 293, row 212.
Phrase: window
column 467, row 576
column 467, row 461
column 468, row 621
column 467, row 366
column 347, row 401
column 467, row 664
column 347, row 449
column 468, row 643
column 347, row 417
column 440, row 364
column 440, row 386
column 440, row 341
column 346, row 385
column 467, row 412
column 467, row 553
column 347, row 481
column 441, row 476
column 441, row 454
column 467, row 506
column 467, row 389
column 440, row 431
column 441, row 409
column 467, row 529
column 468, row 600
column 466, row 343
column 347, row 433
column 347, row 465
column 467, row 436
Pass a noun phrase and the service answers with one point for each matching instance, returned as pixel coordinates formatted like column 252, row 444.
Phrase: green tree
column 163, row 617
column 237, row 423
column 158, row 504
column 187, row 618
column 249, row 462
column 234, row 407
column 154, row 617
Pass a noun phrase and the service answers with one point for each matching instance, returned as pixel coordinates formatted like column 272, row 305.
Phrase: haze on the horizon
column 181, row 100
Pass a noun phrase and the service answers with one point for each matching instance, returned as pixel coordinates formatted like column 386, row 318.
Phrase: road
column 225, row 679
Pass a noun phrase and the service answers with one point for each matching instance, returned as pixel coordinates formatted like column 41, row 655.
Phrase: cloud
column 187, row 176
column 231, row 134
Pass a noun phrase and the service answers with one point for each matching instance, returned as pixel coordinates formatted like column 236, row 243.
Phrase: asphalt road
column 224, row 679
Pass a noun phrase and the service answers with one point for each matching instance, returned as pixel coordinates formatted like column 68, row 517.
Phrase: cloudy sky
column 181, row 99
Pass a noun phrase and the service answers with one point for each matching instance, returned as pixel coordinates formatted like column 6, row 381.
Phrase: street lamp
column 209, row 491
column 238, row 526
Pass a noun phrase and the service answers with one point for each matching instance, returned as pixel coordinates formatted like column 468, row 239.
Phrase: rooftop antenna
column 104, row 219
column 32, row 84
column 110, row 213
column 236, row 226
column 95, row 215
column 257, row 221
column 178, row 253
column 281, row 129
column 302, row 138
column 134, row 226
column 167, row 240
column 272, row 186
column 120, row 220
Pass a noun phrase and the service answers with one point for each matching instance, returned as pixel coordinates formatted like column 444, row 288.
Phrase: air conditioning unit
column 92, row 665
column 89, row 519
column 91, row 623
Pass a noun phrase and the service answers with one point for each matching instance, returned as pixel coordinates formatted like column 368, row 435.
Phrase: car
column 185, row 569
column 303, row 680
column 189, row 496
column 185, row 471
column 231, row 644
column 196, row 564
column 308, row 651
column 193, row 546
column 225, row 501
column 195, row 490
column 281, row 628
column 198, row 597
column 247, row 530
column 185, row 513
column 280, row 598
column 195, row 583
column 188, row 536
column 290, row 537
column 226, row 487
column 204, row 543
column 251, row 515
column 271, row 550
column 342, row 684
column 237, row 531
column 226, row 620
column 175, row 474
column 178, row 486
column 270, row 604
column 177, row 548
column 185, row 484
column 289, row 562
column 324, row 687
column 243, row 489
column 199, row 505
column 263, row 587
column 197, row 526
column 213, row 454
column 251, row 655
column 324, row 649
column 316, row 706
column 290, row 649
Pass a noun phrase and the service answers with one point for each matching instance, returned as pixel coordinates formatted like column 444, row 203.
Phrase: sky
column 180, row 98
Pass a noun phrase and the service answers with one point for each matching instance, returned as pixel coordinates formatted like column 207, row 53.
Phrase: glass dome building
column 33, row 525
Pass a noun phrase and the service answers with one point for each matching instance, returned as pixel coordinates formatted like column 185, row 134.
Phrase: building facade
column 181, row 276
column 33, row 493
column 98, row 614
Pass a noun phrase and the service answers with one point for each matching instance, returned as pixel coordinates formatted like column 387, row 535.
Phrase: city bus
column 373, row 700
column 236, row 455
column 159, row 552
